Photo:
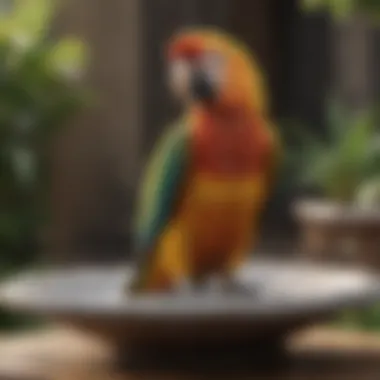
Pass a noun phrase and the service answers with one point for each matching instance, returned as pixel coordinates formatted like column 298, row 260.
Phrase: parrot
column 209, row 176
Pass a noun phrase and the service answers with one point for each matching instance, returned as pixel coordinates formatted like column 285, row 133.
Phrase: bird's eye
column 213, row 64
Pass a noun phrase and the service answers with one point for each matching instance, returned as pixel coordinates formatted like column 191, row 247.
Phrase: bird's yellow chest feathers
column 210, row 192
column 216, row 204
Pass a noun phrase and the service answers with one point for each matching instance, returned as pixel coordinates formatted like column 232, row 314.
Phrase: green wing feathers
column 161, row 187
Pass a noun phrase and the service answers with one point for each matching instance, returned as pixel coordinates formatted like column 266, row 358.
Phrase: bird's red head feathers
column 188, row 47
column 243, row 83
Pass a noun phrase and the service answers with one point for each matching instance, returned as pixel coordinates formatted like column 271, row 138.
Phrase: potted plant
column 343, row 220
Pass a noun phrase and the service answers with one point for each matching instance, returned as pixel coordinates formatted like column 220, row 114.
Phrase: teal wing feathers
column 161, row 189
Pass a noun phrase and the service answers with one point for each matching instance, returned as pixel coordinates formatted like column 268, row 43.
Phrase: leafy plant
column 349, row 155
column 369, row 193
column 367, row 319
column 343, row 8
column 39, row 93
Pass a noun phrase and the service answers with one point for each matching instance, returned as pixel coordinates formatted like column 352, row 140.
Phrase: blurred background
column 83, row 98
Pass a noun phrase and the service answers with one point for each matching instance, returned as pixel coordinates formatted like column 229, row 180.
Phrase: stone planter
column 339, row 233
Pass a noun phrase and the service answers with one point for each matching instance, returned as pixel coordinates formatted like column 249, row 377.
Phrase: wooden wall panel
column 96, row 160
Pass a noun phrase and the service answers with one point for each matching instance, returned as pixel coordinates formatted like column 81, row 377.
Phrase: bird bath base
column 265, row 354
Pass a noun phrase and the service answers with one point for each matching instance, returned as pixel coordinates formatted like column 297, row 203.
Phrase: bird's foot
column 181, row 288
column 234, row 287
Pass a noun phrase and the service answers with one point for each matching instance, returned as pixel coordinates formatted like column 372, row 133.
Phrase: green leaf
column 336, row 119
column 29, row 19
column 24, row 166
column 68, row 58
column 341, row 9
column 349, row 157
column 368, row 194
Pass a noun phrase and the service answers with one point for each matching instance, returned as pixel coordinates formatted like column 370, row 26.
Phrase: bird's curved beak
column 191, row 82
column 201, row 87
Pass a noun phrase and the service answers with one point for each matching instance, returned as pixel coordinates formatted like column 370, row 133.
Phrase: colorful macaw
column 211, row 174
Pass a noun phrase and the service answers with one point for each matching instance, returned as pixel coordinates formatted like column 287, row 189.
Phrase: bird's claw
column 183, row 287
column 232, row 286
